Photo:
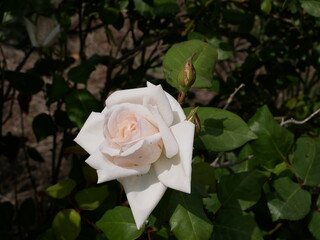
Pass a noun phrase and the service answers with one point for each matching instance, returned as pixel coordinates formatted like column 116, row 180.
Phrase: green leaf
column 274, row 142
column 306, row 160
column 266, row 6
column 203, row 61
column 188, row 220
column 61, row 189
column 212, row 203
column 224, row 49
column 118, row 224
column 312, row 7
column 79, row 104
column 314, row 225
column 165, row 8
column 47, row 235
column 43, row 126
column 81, row 73
column 34, row 154
column 289, row 202
column 144, row 9
column 67, row 224
column 204, row 174
column 241, row 189
column 221, row 130
column 58, row 89
column 91, row 198
column 24, row 82
column 233, row 224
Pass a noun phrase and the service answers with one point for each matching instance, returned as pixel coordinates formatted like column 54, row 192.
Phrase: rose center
column 126, row 129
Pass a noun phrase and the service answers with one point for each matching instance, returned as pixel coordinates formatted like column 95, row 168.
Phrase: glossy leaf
column 61, row 189
column 312, row 7
column 306, row 160
column 43, row 126
column 203, row 61
column 58, row 89
column 314, row 225
column 91, row 198
column 289, row 202
column 81, row 73
column 79, row 104
column 241, row 189
column 274, row 142
column 144, row 9
column 221, row 130
column 118, row 224
column 67, row 224
column 212, row 203
column 234, row 224
column 188, row 220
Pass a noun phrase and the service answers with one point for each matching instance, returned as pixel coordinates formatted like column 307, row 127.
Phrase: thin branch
column 216, row 161
column 299, row 122
column 232, row 95
column 231, row 164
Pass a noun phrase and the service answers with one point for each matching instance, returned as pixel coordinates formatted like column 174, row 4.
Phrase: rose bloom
column 141, row 139
column 44, row 33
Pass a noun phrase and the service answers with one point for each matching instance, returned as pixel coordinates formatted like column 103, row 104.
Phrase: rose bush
column 141, row 139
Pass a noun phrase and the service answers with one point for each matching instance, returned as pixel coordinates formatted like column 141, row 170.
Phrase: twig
column 215, row 162
column 299, row 122
column 230, row 164
column 232, row 96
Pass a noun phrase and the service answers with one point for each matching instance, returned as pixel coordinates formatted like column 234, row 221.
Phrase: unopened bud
column 194, row 118
column 187, row 76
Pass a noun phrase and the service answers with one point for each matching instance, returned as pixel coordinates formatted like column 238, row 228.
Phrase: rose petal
column 178, row 113
column 109, row 171
column 155, row 95
column 143, row 193
column 31, row 29
column 91, row 134
column 176, row 172
column 52, row 35
column 170, row 144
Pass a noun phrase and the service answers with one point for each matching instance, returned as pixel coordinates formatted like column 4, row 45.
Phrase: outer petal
column 176, row 172
column 178, row 113
column 52, row 35
column 91, row 134
column 155, row 95
column 31, row 29
column 109, row 171
column 143, row 193
column 169, row 141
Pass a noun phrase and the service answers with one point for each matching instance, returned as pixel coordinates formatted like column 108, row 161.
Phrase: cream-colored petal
column 31, row 29
column 143, row 193
column 170, row 144
column 178, row 113
column 175, row 173
column 91, row 134
column 52, row 36
column 155, row 95
column 109, row 171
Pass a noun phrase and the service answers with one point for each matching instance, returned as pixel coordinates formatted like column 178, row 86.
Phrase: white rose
column 141, row 139
column 44, row 33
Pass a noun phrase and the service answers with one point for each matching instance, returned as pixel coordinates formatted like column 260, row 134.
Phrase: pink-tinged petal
column 169, row 141
column 31, row 29
column 175, row 173
column 91, row 134
column 107, row 170
column 143, row 193
column 178, row 113
column 155, row 96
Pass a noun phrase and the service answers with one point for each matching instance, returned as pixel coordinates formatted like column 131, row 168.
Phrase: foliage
column 254, row 177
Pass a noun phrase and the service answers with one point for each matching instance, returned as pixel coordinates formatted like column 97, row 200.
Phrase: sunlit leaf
column 61, row 189
column 67, row 224
column 118, row 224
column 312, row 7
